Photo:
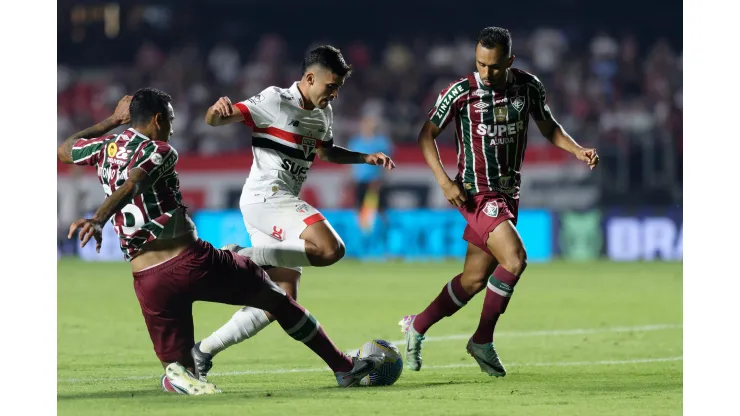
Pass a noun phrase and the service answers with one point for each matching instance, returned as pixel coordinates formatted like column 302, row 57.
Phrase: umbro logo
column 481, row 105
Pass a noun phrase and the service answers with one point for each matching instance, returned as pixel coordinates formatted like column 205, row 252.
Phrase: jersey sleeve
column 540, row 110
column 156, row 159
column 261, row 110
column 87, row 152
column 444, row 108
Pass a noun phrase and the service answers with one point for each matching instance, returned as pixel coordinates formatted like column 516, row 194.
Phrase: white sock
column 289, row 253
column 245, row 323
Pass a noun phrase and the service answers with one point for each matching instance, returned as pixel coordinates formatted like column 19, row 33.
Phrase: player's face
column 166, row 123
column 325, row 87
column 492, row 65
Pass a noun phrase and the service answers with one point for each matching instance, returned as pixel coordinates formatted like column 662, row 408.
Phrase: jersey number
column 133, row 218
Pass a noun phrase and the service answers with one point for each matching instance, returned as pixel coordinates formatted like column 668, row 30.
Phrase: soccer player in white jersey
column 290, row 127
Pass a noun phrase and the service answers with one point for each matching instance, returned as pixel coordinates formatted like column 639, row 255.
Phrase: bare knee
column 473, row 283
column 516, row 262
column 331, row 252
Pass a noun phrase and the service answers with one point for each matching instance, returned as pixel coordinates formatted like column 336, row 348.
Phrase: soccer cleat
column 487, row 358
column 362, row 367
column 180, row 380
column 203, row 362
column 413, row 343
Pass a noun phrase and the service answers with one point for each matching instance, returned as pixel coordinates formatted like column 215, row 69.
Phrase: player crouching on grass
column 172, row 267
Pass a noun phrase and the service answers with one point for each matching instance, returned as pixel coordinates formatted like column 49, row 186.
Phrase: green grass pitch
column 594, row 338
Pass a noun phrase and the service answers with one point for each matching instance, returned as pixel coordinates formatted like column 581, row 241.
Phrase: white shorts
column 278, row 218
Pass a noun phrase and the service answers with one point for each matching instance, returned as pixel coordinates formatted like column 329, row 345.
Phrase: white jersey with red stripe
column 285, row 137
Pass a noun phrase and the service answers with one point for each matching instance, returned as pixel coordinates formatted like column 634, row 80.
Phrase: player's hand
column 88, row 229
column 455, row 193
column 589, row 156
column 223, row 107
column 121, row 114
column 380, row 159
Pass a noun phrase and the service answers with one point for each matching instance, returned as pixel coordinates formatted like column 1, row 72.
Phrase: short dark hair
column 328, row 57
column 492, row 36
column 147, row 102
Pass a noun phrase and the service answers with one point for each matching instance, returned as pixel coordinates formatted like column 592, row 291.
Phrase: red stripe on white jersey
column 246, row 114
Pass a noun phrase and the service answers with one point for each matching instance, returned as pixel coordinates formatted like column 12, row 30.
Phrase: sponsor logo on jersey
column 297, row 172
column 112, row 149
column 491, row 209
column 445, row 101
column 117, row 155
column 503, row 100
column 482, row 107
column 518, row 103
column 509, row 129
column 286, row 96
column 303, row 208
column 294, row 122
column 480, row 93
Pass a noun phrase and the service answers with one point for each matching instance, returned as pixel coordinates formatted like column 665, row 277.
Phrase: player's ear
column 157, row 119
column 511, row 60
column 310, row 78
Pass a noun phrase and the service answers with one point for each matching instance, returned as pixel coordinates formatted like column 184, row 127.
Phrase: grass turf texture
column 578, row 339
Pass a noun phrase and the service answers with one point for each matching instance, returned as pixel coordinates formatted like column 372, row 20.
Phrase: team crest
column 112, row 149
column 491, row 209
column 518, row 103
column 309, row 146
column 501, row 113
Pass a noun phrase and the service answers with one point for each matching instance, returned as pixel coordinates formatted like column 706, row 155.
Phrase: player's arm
column 427, row 140
column 138, row 181
column 340, row 155
column 556, row 134
column 119, row 117
column 223, row 112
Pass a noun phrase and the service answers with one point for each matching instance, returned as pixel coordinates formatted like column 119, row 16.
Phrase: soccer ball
column 388, row 372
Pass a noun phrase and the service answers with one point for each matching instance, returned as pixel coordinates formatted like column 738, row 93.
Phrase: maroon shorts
column 166, row 293
column 484, row 212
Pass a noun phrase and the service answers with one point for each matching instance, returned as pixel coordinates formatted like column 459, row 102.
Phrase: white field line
column 585, row 331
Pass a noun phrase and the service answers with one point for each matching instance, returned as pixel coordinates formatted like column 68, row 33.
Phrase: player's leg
column 167, row 310
column 301, row 235
column 506, row 244
column 246, row 322
column 479, row 264
column 235, row 279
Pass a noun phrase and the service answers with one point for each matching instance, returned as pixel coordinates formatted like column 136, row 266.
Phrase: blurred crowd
column 606, row 90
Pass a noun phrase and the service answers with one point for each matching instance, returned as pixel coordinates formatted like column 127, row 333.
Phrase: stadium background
column 613, row 74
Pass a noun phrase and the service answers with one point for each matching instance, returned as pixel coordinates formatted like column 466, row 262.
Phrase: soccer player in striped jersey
column 290, row 127
column 489, row 110
column 171, row 266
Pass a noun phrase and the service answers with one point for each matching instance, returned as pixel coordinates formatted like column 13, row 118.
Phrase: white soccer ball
column 388, row 372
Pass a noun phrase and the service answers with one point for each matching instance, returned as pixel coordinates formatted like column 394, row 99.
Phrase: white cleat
column 180, row 380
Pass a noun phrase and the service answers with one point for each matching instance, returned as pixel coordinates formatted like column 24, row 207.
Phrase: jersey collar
column 296, row 94
column 509, row 80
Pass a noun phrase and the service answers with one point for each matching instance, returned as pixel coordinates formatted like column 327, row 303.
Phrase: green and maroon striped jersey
column 491, row 128
column 147, row 215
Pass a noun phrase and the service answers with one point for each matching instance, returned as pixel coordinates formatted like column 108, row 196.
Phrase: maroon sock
column 498, row 293
column 302, row 326
column 450, row 300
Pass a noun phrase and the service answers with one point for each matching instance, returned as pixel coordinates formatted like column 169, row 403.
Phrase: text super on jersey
column 149, row 215
column 285, row 137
